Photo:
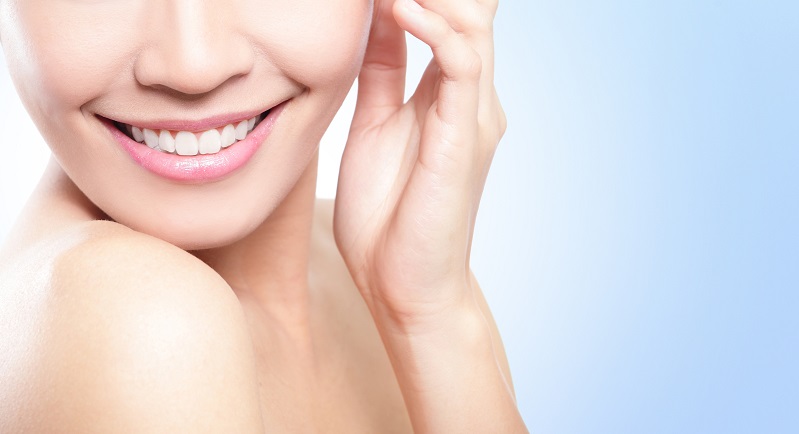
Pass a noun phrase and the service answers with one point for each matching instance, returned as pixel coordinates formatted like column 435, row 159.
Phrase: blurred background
column 639, row 234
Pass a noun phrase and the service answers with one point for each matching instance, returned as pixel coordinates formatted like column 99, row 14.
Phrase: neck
column 270, row 265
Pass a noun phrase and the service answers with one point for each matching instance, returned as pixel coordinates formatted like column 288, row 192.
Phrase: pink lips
column 198, row 168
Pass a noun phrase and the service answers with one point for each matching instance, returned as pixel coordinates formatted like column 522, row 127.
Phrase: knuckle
column 493, row 124
column 502, row 119
column 471, row 64
column 490, row 138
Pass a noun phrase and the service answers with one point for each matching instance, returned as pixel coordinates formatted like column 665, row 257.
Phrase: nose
column 194, row 47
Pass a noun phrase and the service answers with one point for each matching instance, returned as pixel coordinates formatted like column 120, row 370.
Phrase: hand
column 413, row 172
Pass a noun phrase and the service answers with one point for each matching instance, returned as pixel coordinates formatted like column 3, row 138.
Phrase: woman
column 173, row 272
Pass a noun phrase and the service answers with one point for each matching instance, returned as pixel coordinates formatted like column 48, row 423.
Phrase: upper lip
column 204, row 124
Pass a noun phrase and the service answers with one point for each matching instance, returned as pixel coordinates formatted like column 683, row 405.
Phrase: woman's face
column 180, row 72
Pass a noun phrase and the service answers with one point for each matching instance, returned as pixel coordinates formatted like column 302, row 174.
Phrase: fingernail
column 413, row 6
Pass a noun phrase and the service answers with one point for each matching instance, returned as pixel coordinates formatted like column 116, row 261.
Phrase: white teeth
column 166, row 142
column 228, row 136
column 150, row 138
column 186, row 143
column 241, row 130
column 189, row 143
column 137, row 134
column 210, row 142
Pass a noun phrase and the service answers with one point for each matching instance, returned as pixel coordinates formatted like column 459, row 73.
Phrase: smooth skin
column 358, row 316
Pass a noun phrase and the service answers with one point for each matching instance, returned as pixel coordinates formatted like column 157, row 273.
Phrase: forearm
column 450, row 376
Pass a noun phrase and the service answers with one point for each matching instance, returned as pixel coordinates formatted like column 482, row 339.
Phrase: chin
column 204, row 238
column 206, row 232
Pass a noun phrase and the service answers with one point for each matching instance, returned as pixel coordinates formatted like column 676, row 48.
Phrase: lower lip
column 198, row 168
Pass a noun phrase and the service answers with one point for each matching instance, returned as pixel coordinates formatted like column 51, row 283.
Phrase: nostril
column 189, row 71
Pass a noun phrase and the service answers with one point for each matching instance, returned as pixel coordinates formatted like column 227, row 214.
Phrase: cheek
column 319, row 43
column 67, row 53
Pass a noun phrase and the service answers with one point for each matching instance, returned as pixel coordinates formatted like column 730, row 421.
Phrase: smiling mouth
column 189, row 143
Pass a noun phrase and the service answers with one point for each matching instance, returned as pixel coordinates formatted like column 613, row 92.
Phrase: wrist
column 449, row 373
column 443, row 308
column 448, row 340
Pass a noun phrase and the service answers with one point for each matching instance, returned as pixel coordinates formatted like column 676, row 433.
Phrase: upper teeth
column 189, row 143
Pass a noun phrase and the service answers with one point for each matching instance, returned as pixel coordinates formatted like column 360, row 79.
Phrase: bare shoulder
column 109, row 330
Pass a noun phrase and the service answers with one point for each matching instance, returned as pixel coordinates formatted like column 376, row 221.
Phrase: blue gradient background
column 638, row 238
column 644, row 208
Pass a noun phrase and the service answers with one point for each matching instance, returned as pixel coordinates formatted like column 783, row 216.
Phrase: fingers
column 458, row 85
column 459, row 64
column 475, row 20
column 469, row 17
column 381, row 82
